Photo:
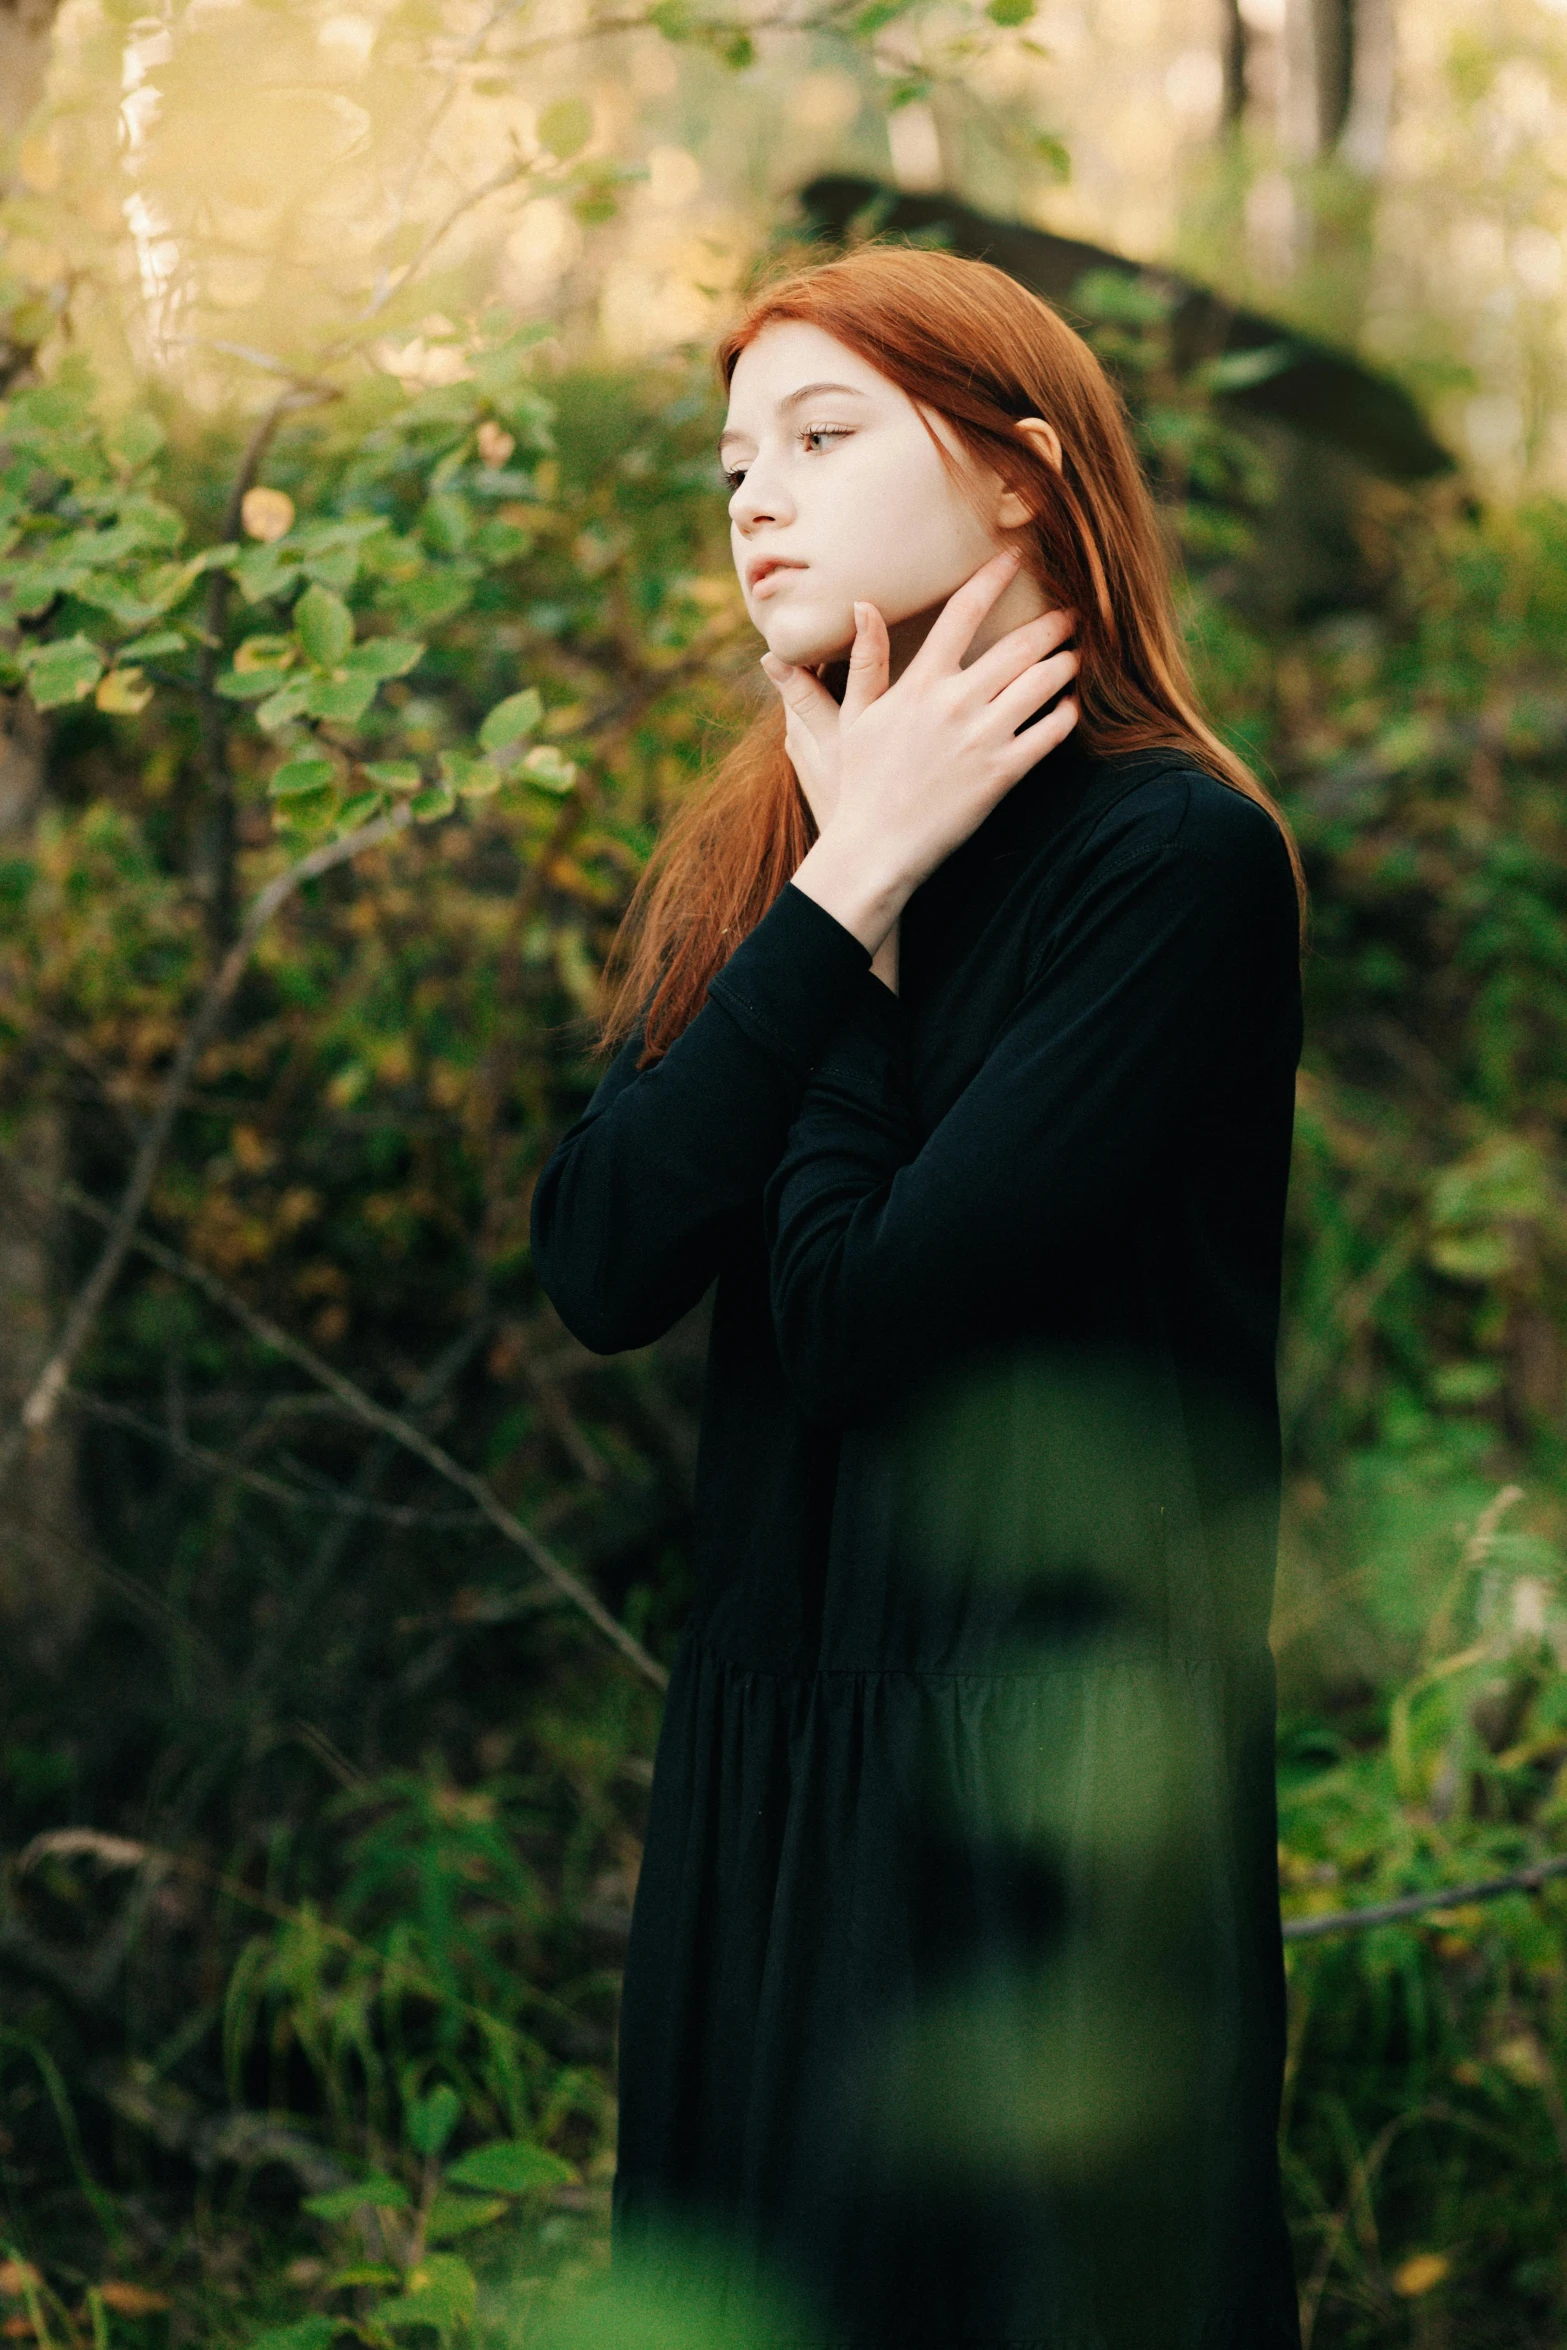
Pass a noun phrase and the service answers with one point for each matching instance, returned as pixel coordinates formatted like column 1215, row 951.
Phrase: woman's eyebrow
column 792, row 400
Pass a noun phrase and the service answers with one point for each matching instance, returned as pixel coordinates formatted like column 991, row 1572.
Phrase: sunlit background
column 1392, row 173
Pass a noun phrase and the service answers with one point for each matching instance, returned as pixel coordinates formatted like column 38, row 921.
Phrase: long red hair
column 969, row 344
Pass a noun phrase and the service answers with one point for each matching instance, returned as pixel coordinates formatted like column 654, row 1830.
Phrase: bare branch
column 272, row 1335
column 1412, row 1905
column 42, row 1402
column 217, row 1464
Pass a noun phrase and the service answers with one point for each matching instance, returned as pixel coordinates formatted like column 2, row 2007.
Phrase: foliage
column 364, row 1803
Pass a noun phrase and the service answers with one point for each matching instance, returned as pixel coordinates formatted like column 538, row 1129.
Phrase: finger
column 869, row 662
column 1039, row 684
column 1035, row 641
column 962, row 613
column 1036, row 742
column 804, row 697
column 1026, row 750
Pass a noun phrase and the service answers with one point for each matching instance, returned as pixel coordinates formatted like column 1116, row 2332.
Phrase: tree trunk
column 1233, row 49
column 46, row 1570
column 25, row 30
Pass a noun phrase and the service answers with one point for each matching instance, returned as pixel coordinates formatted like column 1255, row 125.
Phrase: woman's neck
column 1023, row 600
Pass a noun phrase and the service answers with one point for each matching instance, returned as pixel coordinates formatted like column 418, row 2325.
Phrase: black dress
column 954, row 2007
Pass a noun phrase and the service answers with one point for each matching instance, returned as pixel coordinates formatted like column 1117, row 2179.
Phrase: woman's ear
column 1045, row 441
column 1043, row 438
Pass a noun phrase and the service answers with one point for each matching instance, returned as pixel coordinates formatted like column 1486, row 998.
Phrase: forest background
column 364, row 604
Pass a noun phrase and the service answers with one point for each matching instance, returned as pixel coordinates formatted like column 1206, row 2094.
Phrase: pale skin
column 854, row 542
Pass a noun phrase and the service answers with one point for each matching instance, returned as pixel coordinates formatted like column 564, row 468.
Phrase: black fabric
column 955, row 1996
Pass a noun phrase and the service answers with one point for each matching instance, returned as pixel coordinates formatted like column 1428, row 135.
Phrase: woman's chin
column 807, row 642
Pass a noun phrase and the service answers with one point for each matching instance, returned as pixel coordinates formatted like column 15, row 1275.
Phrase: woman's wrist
column 845, row 883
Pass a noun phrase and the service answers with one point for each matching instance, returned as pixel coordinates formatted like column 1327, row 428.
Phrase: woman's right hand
column 922, row 763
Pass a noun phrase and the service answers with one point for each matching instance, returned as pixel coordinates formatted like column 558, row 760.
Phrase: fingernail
column 859, row 617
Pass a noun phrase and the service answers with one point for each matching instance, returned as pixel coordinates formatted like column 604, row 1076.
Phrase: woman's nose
column 760, row 499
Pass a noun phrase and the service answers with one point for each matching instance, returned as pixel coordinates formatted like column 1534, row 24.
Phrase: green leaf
column 263, row 572
column 439, row 594
column 471, row 778
column 236, row 686
column 441, row 2292
column 363, row 808
column 148, row 648
column 395, row 774
column 324, row 625
column 458, row 2215
column 136, row 439
column 446, row 522
column 308, row 2333
column 566, row 127
column 1238, row 371
column 518, row 715
column 263, row 653
column 300, row 779
column 345, row 698
column 65, row 671
column 438, row 800
column 285, row 704
column 386, row 656
column 595, row 205
column 430, row 2121
column 877, row 15
column 378, row 2192
column 166, row 584
column 368, row 2272
column 547, row 768
column 512, row 2166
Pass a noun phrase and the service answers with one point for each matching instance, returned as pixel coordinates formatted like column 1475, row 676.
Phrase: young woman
column 958, row 1027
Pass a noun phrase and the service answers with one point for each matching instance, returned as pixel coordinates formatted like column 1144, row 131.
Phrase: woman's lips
column 766, row 577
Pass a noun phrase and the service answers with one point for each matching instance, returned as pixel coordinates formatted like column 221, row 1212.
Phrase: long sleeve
column 642, row 1199
column 1150, row 998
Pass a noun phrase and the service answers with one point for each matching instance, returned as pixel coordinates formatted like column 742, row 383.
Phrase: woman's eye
column 815, row 435
column 734, row 475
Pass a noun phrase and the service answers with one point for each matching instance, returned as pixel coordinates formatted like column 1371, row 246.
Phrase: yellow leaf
column 495, row 443
column 1420, row 2273
column 266, row 514
column 131, row 2300
column 1524, row 2061
column 17, row 2277
column 123, row 693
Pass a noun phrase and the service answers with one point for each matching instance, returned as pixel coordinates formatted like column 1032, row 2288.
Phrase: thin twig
column 272, row 1335
column 1411, row 1905
column 200, row 1456
column 378, row 1459
column 43, row 1400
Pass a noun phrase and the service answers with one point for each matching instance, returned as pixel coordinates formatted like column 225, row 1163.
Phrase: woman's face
column 840, row 495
